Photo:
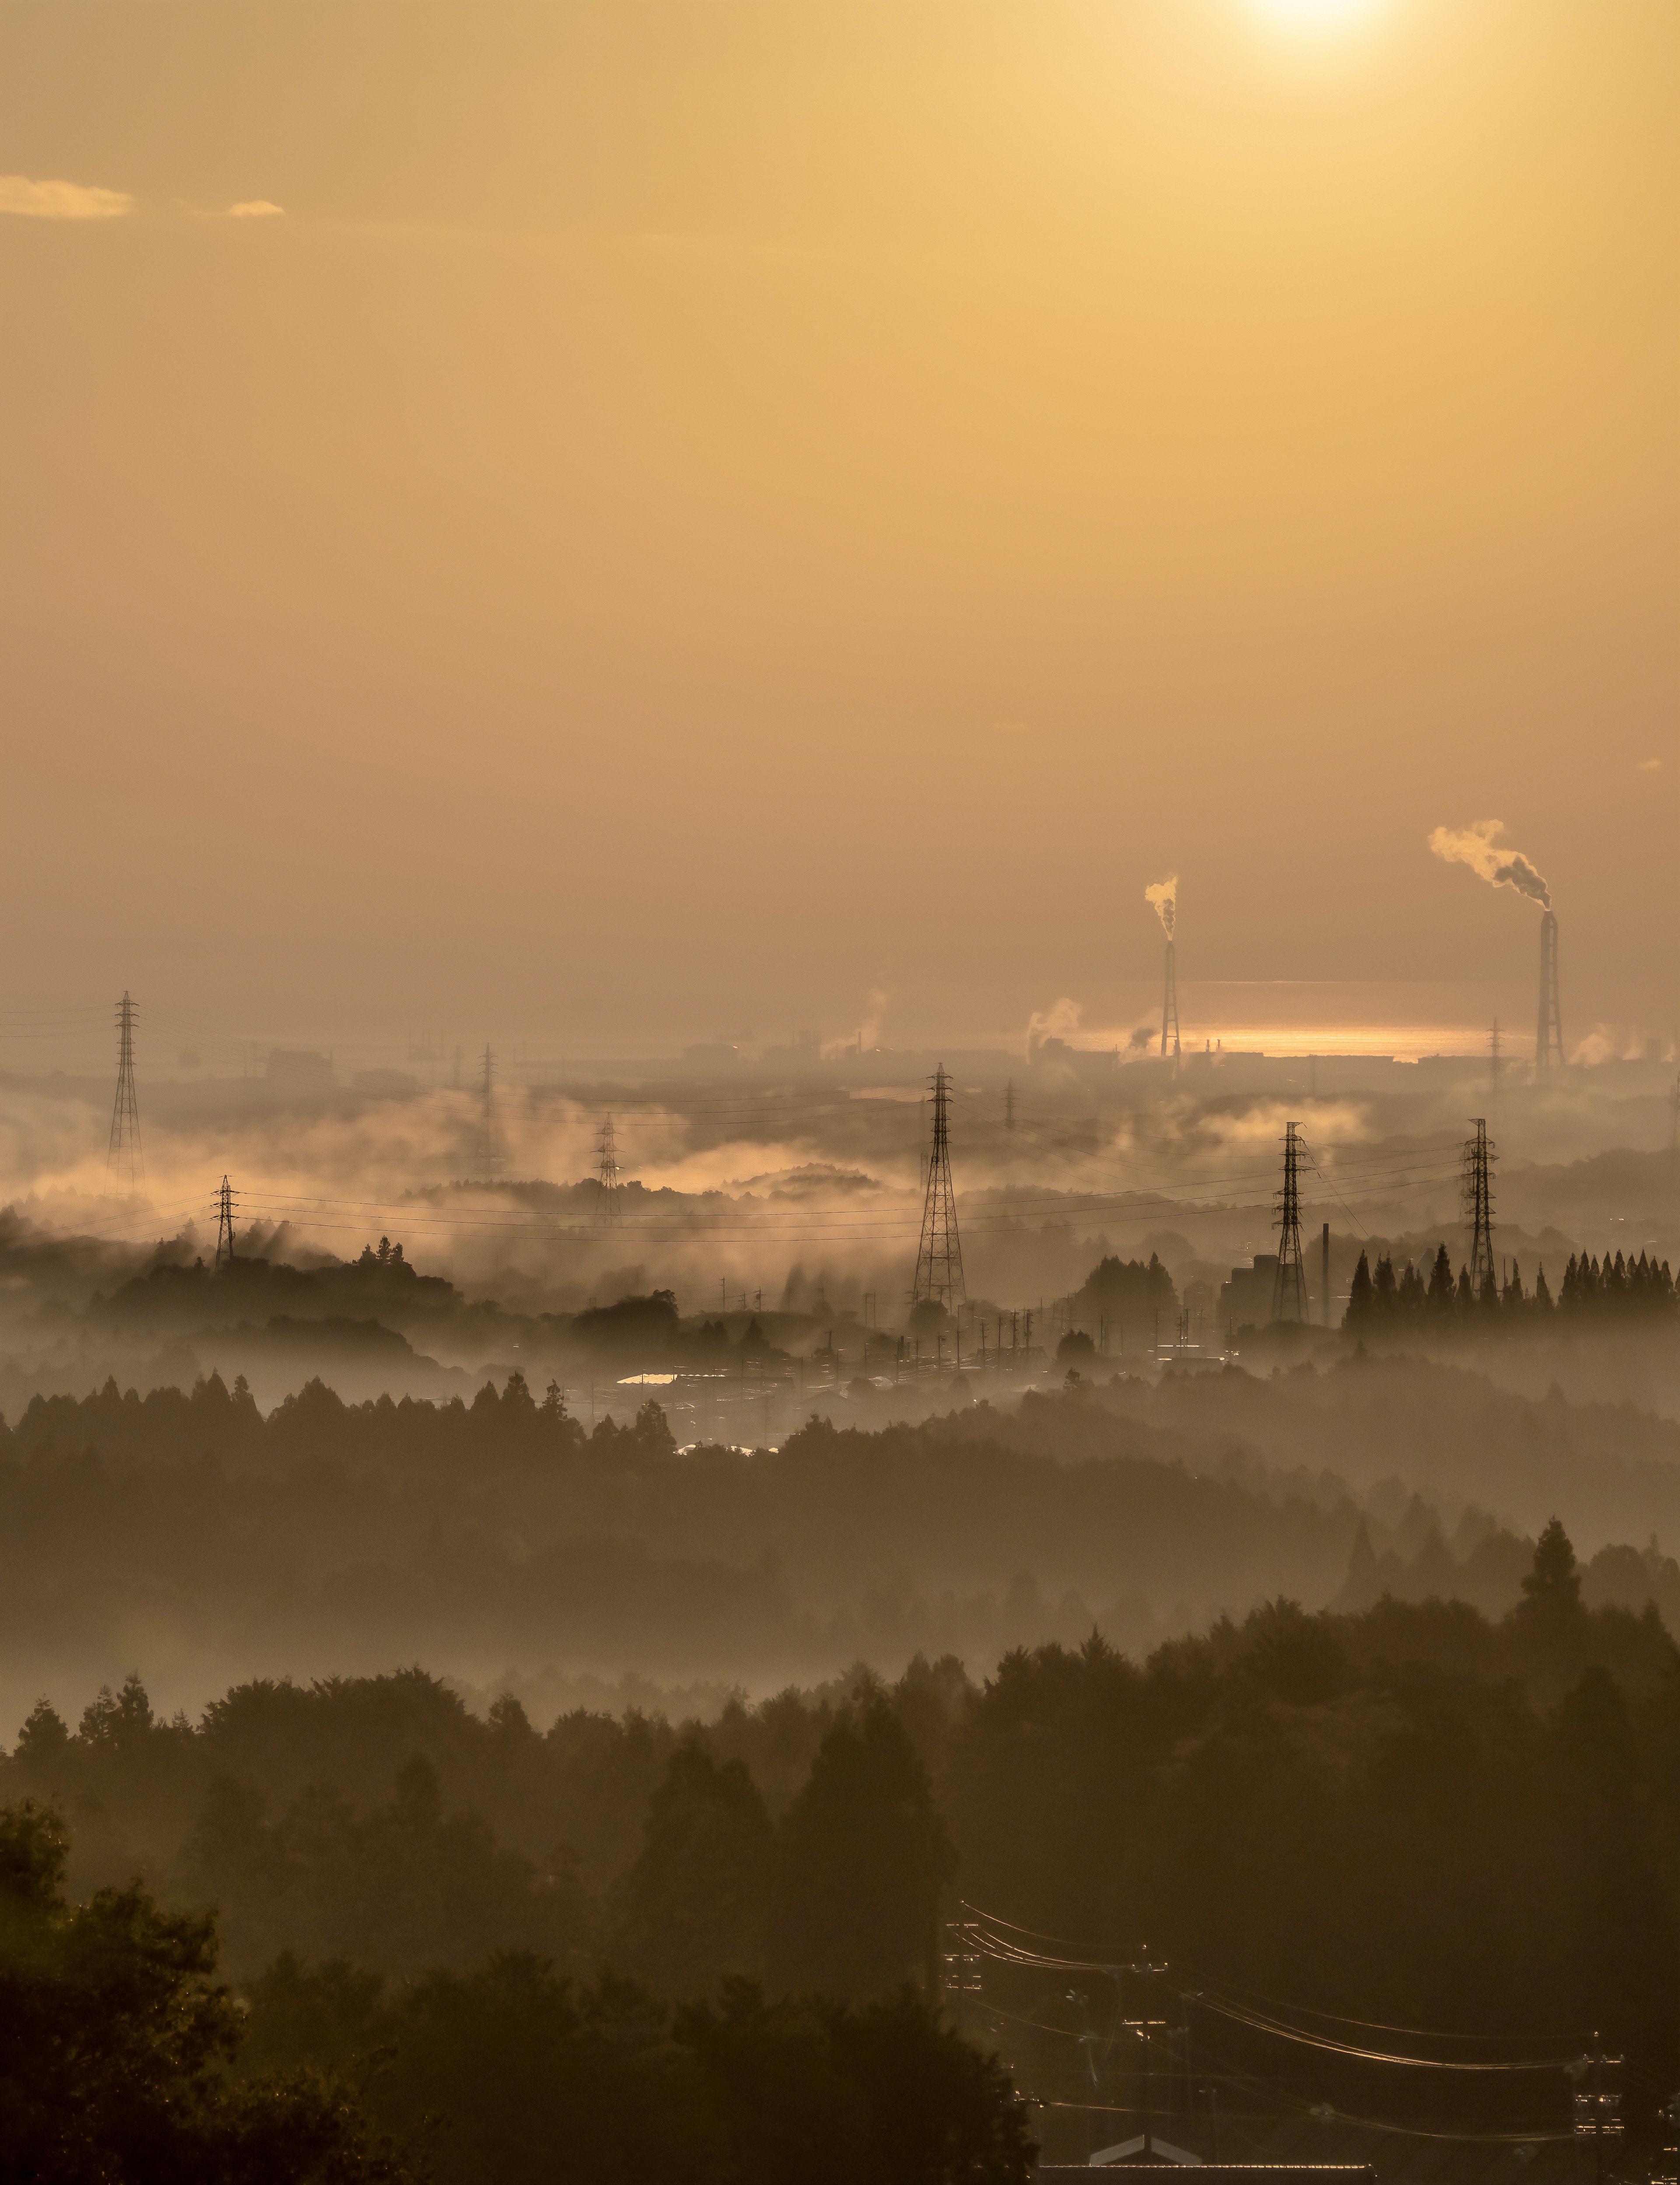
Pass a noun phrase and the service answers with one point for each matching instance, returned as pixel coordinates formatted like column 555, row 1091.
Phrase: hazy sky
column 694, row 510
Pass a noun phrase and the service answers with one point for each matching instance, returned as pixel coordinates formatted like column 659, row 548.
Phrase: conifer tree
column 1361, row 1296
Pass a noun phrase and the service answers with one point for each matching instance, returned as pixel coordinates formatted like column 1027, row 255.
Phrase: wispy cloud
column 1648, row 766
column 255, row 209
column 60, row 200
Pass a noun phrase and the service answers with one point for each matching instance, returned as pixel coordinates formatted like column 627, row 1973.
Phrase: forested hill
column 1360, row 1814
column 328, row 1537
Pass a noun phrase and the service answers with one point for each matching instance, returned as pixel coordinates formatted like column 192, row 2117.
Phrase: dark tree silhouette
column 863, row 1855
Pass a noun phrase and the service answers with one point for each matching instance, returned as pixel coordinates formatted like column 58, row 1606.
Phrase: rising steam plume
column 1164, row 896
column 1474, row 846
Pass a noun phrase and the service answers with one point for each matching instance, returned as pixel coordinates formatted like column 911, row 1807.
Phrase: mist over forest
column 527, row 1598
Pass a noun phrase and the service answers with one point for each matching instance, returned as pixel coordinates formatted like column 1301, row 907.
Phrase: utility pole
column 1144, row 2023
column 1477, row 1191
column 609, row 1209
column 962, row 1958
column 125, row 1164
column 1598, row 2115
column 939, row 1256
column 225, row 1199
column 1289, row 1293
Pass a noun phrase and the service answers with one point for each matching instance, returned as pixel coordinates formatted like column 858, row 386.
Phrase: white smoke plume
column 1060, row 1022
column 1474, row 846
column 1164, row 896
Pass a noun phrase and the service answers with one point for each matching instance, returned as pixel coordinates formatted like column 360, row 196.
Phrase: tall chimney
column 1548, row 1034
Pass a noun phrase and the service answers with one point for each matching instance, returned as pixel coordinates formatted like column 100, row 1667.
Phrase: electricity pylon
column 609, row 1209
column 125, row 1164
column 938, row 1257
column 487, row 1126
column 226, row 1199
column 1479, row 1157
column 1289, row 1291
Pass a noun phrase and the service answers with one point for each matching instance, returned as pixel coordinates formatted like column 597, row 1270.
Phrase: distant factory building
column 299, row 1069
column 1245, row 1299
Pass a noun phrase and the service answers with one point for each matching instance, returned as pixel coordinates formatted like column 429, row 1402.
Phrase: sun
column 1306, row 14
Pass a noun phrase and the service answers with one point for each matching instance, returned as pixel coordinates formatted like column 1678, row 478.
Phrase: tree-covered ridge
column 1361, row 1811
column 1618, row 1293
column 332, row 1536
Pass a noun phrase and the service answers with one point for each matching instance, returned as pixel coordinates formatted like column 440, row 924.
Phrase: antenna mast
column 1289, row 1295
column 938, row 1257
column 125, row 1164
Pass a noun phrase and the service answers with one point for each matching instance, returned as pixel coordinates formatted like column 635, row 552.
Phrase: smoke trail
column 1164, row 896
column 1473, row 846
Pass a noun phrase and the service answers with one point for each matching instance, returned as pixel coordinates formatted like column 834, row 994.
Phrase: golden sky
column 676, row 514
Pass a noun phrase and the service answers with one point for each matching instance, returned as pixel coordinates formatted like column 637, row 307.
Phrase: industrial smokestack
column 1163, row 895
column 1548, row 1034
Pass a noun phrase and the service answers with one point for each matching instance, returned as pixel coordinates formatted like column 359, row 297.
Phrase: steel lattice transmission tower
column 1548, row 1034
column 125, row 1163
column 1170, row 1005
column 609, row 1209
column 1479, row 1157
column 488, row 1124
column 1289, row 1291
column 226, row 1201
column 938, row 1257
